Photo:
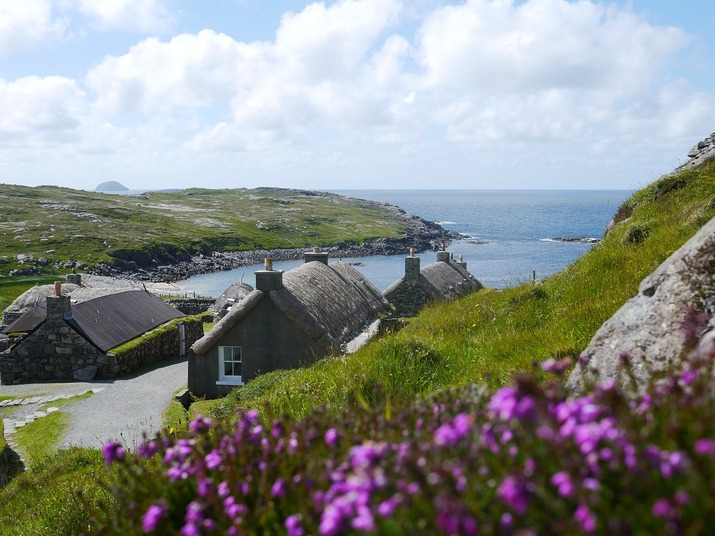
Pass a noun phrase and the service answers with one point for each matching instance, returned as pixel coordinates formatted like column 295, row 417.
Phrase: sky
column 529, row 94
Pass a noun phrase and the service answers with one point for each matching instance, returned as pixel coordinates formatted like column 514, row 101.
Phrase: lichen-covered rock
column 701, row 152
column 649, row 332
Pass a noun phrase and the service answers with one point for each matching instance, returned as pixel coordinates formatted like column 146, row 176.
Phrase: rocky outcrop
column 674, row 306
column 420, row 234
column 701, row 152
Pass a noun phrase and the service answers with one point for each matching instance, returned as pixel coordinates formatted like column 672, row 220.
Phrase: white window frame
column 231, row 351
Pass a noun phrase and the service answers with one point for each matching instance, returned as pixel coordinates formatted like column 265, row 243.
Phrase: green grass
column 175, row 419
column 40, row 438
column 66, row 401
column 60, row 224
column 45, row 500
column 3, row 443
column 490, row 335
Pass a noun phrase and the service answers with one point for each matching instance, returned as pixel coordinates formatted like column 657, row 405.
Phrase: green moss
column 156, row 332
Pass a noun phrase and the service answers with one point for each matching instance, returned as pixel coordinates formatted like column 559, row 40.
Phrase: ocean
column 508, row 234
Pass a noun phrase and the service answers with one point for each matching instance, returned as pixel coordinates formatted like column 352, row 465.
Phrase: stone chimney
column 58, row 305
column 74, row 279
column 443, row 256
column 269, row 279
column 316, row 255
column 412, row 266
column 461, row 262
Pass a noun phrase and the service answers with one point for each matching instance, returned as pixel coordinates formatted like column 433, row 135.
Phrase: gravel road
column 123, row 409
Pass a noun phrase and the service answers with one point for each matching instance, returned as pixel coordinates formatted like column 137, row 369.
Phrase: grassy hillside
column 492, row 334
column 51, row 225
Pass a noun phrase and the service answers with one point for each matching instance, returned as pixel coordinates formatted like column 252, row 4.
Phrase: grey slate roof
column 108, row 320
column 111, row 320
column 328, row 302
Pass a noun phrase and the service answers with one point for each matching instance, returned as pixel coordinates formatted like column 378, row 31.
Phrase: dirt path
column 124, row 409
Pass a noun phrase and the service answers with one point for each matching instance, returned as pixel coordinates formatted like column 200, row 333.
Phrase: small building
column 60, row 340
column 444, row 280
column 291, row 319
column 228, row 298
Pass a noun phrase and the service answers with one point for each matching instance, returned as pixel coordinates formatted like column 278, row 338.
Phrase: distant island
column 111, row 186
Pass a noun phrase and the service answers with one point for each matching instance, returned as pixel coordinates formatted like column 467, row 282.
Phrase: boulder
column 85, row 374
column 652, row 330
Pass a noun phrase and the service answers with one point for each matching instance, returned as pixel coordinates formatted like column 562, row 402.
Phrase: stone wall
column 56, row 352
column 164, row 345
column 191, row 306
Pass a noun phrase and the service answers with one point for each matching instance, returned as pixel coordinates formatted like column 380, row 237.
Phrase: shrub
column 528, row 459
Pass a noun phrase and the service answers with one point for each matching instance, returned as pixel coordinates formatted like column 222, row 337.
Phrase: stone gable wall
column 53, row 352
column 408, row 299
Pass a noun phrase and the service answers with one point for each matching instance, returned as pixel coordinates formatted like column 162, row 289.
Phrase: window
column 229, row 365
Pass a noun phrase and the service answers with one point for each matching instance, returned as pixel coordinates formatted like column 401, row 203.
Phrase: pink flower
column 113, row 452
column 152, row 517
column 331, row 437
column 585, row 518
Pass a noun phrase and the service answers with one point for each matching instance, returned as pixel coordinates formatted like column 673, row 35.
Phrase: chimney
column 412, row 266
column 461, row 262
column 443, row 256
column 74, row 278
column 316, row 255
column 269, row 279
column 58, row 305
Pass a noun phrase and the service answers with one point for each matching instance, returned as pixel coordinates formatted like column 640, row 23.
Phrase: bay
column 507, row 234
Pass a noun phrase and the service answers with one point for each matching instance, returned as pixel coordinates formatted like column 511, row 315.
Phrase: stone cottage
column 443, row 280
column 60, row 340
column 291, row 319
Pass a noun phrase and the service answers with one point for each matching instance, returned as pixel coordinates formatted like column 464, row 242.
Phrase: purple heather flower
column 331, row 437
column 213, row 459
column 252, row 416
column 199, row 425
column 194, row 512
column 292, row 525
column 663, row 509
column 364, row 520
column 386, row 508
column 152, row 517
column 113, row 452
column 232, row 509
column 190, row 529
column 585, row 518
column 148, row 449
column 507, row 403
column 223, row 489
column 556, row 365
column 330, row 521
column 205, row 487
column 705, row 447
column 562, row 481
column 279, row 488
column 513, row 492
column 506, row 521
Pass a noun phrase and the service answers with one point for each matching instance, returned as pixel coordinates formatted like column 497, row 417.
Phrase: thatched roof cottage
column 444, row 280
column 291, row 319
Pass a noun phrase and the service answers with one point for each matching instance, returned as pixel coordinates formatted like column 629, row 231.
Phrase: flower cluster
column 529, row 459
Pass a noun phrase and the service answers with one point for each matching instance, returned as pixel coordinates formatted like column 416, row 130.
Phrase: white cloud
column 25, row 24
column 40, row 110
column 144, row 16
column 189, row 71
column 501, row 45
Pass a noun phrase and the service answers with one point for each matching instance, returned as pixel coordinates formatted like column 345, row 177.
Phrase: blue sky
column 353, row 93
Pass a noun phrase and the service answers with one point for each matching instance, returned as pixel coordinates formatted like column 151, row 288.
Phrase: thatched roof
column 327, row 302
column 231, row 296
column 443, row 280
column 37, row 296
column 449, row 279
column 237, row 312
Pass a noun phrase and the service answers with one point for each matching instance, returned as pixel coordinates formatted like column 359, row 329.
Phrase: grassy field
column 45, row 230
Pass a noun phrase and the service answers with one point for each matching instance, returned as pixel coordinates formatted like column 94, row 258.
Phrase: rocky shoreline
column 420, row 234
